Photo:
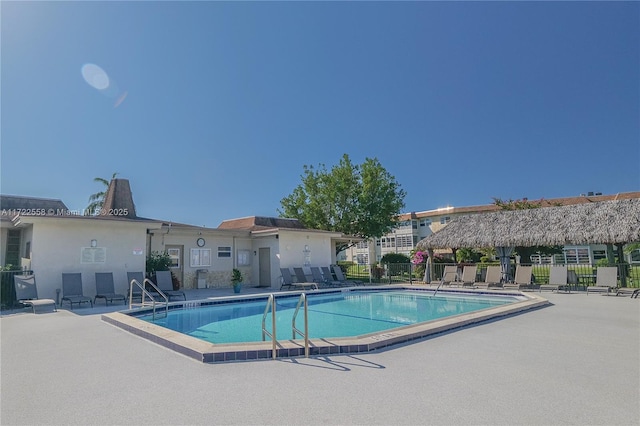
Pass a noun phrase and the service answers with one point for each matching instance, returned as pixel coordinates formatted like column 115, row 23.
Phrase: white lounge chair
column 449, row 275
column 468, row 276
column 628, row 291
column 606, row 279
column 522, row 278
column 492, row 278
column 557, row 279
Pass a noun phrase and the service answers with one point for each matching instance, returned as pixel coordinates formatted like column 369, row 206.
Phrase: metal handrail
column 302, row 301
column 146, row 293
column 271, row 303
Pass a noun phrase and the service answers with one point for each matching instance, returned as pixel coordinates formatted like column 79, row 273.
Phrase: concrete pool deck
column 576, row 361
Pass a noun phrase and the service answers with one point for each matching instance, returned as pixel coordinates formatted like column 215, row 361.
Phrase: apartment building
column 414, row 226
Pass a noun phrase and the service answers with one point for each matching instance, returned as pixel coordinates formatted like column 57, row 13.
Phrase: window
column 404, row 241
column 445, row 219
column 541, row 259
column 403, row 224
column 244, row 257
column 224, row 251
column 200, row 257
column 425, row 222
column 174, row 257
column 599, row 254
column 363, row 245
column 414, row 224
column 578, row 255
column 362, row 259
column 12, row 254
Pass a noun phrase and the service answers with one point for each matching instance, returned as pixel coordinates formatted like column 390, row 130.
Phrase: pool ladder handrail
column 271, row 303
column 152, row 299
column 438, row 288
column 302, row 301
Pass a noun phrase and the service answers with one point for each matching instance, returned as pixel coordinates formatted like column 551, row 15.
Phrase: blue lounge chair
column 340, row 277
column 165, row 284
column 105, row 289
column 287, row 280
column 72, row 290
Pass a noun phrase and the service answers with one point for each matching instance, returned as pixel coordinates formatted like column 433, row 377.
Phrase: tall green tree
column 525, row 253
column 361, row 200
column 96, row 200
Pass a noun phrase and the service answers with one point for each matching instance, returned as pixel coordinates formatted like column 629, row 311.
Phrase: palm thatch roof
column 606, row 222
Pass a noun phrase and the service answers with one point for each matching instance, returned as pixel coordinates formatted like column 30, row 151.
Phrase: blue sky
column 213, row 108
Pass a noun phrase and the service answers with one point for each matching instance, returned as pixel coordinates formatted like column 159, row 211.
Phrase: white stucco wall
column 56, row 246
column 300, row 248
column 219, row 270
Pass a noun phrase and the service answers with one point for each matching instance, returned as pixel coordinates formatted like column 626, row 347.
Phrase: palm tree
column 96, row 200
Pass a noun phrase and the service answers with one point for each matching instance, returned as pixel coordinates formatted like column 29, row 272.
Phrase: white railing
column 271, row 303
column 302, row 302
column 144, row 293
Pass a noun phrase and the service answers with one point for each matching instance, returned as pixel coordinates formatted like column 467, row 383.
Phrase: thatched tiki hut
column 606, row 222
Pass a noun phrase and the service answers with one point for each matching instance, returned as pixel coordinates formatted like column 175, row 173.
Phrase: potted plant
column 236, row 280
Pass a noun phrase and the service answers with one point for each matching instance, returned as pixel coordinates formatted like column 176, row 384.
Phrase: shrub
column 377, row 272
column 236, row 276
column 345, row 265
column 395, row 258
column 157, row 261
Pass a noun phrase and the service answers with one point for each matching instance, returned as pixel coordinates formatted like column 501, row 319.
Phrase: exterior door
column 264, row 266
column 176, row 253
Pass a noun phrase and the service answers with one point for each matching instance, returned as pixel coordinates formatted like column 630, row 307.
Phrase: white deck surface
column 575, row 362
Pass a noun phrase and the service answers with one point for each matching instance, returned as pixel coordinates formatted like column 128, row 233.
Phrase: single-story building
column 44, row 236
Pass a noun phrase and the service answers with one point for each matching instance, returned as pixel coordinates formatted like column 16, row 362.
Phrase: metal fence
column 7, row 289
column 396, row 273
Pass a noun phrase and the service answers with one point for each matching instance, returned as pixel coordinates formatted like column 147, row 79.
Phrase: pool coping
column 206, row 352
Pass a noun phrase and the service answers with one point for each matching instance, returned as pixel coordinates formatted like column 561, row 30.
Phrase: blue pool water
column 331, row 315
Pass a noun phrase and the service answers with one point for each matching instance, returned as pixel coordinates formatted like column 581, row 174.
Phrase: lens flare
column 95, row 76
column 120, row 99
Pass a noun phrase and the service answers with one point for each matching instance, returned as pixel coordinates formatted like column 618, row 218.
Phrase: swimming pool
column 330, row 315
column 340, row 321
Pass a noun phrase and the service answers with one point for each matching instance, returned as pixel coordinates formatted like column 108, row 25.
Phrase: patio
column 575, row 362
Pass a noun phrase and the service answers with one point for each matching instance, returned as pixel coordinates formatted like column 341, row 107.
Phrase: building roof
column 603, row 222
column 551, row 202
column 260, row 223
column 17, row 203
